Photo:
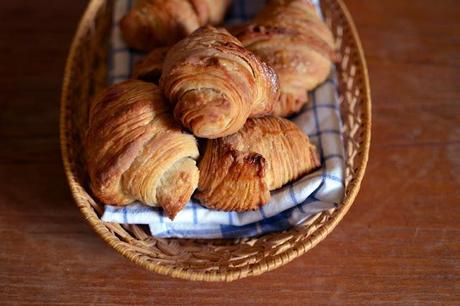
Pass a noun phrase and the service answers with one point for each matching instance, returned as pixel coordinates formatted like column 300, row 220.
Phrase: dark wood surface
column 399, row 244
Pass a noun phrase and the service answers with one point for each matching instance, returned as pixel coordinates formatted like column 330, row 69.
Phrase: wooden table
column 399, row 244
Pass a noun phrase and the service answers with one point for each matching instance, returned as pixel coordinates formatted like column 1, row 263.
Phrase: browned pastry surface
column 238, row 171
column 290, row 36
column 154, row 23
column 136, row 151
column 215, row 84
column 150, row 67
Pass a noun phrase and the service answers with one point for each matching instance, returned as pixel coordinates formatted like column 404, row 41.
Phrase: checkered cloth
column 290, row 205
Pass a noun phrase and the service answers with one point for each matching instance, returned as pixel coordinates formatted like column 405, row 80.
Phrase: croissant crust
column 154, row 23
column 149, row 68
column 215, row 84
column 238, row 171
column 290, row 36
column 136, row 151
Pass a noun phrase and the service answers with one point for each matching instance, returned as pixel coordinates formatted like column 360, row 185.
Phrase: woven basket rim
column 265, row 265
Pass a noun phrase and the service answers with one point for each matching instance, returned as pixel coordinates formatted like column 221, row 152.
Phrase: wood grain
column 400, row 243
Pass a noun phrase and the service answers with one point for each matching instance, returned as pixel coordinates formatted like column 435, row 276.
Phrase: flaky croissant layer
column 215, row 84
column 154, row 23
column 291, row 37
column 238, row 171
column 136, row 151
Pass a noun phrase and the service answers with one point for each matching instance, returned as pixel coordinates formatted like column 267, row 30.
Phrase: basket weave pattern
column 199, row 259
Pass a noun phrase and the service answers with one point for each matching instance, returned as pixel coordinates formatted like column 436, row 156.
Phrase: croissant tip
column 171, row 213
column 171, row 216
column 290, row 104
column 171, row 209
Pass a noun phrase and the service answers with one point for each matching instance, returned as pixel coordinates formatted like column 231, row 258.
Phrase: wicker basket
column 209, row 260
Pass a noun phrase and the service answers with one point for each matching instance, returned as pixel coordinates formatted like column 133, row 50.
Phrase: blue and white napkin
column 290, row 205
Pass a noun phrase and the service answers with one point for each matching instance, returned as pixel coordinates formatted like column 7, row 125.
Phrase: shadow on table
column 33, row 186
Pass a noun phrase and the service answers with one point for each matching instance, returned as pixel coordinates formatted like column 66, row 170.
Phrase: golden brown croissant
column 136, row 151
column 238, row 171
column 215, row 84
column 290, row 36
column 155, row 23
column 150, row 67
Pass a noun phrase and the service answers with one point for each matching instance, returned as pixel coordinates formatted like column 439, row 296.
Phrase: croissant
column 238, row 171
column 136, row 151
column 150, row 67
column 290, row 36
column 155, row 23
column 215, row 84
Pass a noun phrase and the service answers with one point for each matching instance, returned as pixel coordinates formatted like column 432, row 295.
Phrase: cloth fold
column 290, row 205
